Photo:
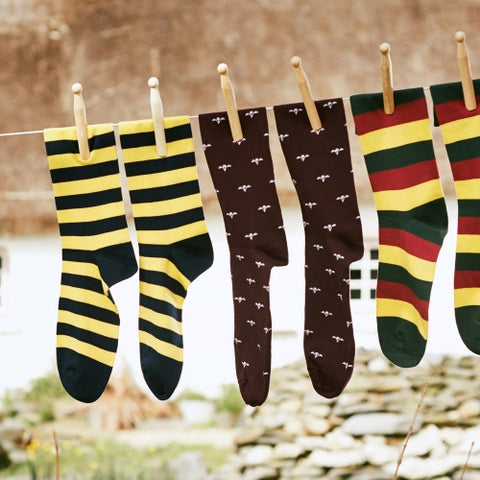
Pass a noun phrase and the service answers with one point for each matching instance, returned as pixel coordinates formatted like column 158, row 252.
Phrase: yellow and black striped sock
column 174, row 245
column 96, row 254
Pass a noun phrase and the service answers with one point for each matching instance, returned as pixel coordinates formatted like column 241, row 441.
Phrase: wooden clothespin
column 387, row 79
column 157, row 116
column 465, row 72
column 230, row 102
column 80, row 121
column 304, row 87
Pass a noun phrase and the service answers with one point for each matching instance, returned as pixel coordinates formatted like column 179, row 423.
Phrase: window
column 363, row 275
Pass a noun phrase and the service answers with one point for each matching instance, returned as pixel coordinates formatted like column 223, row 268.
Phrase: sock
column 321, row 170
column 242, row 173
column 174, row 245
column 412, row 216
column 461, row 133
column 96, row 254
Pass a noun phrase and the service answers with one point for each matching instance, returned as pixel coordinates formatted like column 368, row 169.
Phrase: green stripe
column 369, row 102
column 468, row 208
column 468, row 323
column 399, row 157
column 428, row 221
column 396, row 274
column 467, row 261
column 448, row 92
column 463, row 149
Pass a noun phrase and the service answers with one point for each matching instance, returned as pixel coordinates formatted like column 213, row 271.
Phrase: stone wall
column 298, row 435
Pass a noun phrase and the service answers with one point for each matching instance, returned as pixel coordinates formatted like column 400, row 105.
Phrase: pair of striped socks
column 97, row 253
column 412, row 214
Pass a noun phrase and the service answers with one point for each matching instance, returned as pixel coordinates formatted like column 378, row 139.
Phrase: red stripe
column 397, row 291
column 468, row 225
column 404, row 113
column 455, row 110
column 466, row 169
column 467, row 279
column 404, row 177
column 416, row 246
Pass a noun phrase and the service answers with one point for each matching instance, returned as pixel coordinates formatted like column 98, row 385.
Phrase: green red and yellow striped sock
column 174, row 245
column 461, row 133
column 96, row 254
column 412, row 216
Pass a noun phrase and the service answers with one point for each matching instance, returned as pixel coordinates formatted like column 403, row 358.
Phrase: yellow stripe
column 468, row 243
column 98, row 156
column 167, row 207
column 171, row 177
column 95, row 242
column 408, row 198
column 161, row 347
column 91, row 214
column 70, row 133
column 173, row 235
column 160, row 320
column 89, row 324
column 161, row 293
column 417, row 267
column 462, row 129
column 87, row 296
column 89, row 185
column 164, row 265
column 81, row 268
column 180, row 147
column 468, row 189
column 96, row 353
column 463, row 297
column 140, row 154
column 146, row 125
column 396, row 136
column 404, row 310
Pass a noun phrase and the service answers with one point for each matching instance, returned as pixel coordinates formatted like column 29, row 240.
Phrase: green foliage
column 106, row 460
column 231, row 400
column 48, row 386
column 191, row 395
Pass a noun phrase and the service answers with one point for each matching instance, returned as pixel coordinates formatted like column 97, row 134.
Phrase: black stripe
column 160, row 333
column 82, row 281
column 160, row 306
column 83, row 229
column 169, row 192
column 165, row 222
column 179, row 132
column 134, row 140
column 87, row 336
column 83, row 172
column 88, row 310
column 60, row 147
column 93, row 199
column 159, row 165
column 161, row 278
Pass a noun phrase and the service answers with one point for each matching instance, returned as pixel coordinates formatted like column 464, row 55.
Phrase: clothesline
column 36, row 132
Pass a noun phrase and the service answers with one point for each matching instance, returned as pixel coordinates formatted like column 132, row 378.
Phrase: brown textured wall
column 113, row 47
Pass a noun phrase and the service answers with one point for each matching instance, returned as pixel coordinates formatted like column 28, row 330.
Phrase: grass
column 106, row 460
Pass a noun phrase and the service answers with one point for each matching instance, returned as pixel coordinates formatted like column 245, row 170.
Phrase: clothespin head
column 157, row 117
column 80, row 121
column 230, row 102
column 465, row 72
column 304, row 87
column 387, row 79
